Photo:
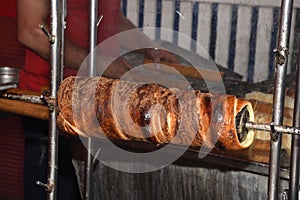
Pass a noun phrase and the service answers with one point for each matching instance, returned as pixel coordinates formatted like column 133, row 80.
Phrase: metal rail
column 91, row 72
column 279, row 93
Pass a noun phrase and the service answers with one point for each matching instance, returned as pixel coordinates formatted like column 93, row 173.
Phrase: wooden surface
column 24, row 108
column 258, row 152
column 188, row 71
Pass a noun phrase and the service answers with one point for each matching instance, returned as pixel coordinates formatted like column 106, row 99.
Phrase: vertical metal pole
column 91, row 73
column 294, row 170
column 279, row 93
column 93, row 36
column 55, row 64
column 63, row 25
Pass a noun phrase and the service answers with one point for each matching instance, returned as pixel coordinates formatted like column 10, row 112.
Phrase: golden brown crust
column 100, row 107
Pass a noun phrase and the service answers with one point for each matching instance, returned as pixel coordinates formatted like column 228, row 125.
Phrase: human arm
column 138, row 39
column 32, row 13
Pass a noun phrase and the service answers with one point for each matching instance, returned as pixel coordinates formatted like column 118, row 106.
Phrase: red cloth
column 8, row 8
column 36, row 72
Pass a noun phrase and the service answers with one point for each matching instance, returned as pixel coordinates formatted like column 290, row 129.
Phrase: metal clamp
column 48, row 187
column 281, row 54
column 284, row 195
column 50, row 37
column 274, row 133
column 47, row 100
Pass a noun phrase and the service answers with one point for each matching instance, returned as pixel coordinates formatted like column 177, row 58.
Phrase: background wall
column 238, row 34
column 11, row 135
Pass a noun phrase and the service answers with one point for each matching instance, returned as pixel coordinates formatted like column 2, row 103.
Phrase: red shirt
column 8, row 8
column 36, row 72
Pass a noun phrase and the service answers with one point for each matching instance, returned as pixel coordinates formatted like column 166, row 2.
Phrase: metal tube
column 63, row 15
column 55, row 64
column 279, row 93
column 91, row 73
column 24, row 97
column 93, row 37
column 273, row 128
column 294, row 170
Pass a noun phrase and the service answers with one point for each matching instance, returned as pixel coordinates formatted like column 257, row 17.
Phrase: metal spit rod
column 92, row 71
column 8, row 86
column 273, row 128
column 281, row 58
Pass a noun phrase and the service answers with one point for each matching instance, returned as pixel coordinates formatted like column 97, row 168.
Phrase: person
column 36, row 74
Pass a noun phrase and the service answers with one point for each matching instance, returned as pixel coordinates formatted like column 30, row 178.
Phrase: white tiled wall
column 223, row 29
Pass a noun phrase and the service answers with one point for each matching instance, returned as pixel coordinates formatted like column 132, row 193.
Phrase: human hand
column 116, row 69
column 161, row 55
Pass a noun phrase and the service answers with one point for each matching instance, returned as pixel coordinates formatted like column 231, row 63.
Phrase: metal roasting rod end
column 48, row 187
column 49, row 36
column 99, row 20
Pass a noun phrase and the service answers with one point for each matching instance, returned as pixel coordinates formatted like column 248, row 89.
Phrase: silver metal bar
column 50, row 37
column 93, row 37
column 92, row 71
column 279, row 93
column 89, row 171
column 273, row 128
column 294, row 169
column 63, row 15
column 55, row 66
column 24, row 97
column 8, row 86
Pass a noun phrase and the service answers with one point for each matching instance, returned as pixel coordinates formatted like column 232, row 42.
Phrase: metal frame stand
column 56, row 39
column 56, row 60
column 56, row 63
column 279, row 94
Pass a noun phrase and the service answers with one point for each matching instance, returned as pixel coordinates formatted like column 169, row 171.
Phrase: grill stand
column 281, row 59
column 56, row 60
column 56, row 40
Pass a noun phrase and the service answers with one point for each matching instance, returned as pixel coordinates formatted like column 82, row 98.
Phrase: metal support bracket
column 7, row 86
column 99, row 20
column 50, row 37
column 274, row 133
column 48, row 187
column 49, row 101
column 284, row 195
column 281, row 54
